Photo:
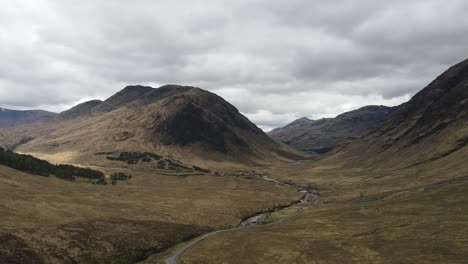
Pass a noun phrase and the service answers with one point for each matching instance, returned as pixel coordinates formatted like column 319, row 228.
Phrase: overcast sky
column 275, row 60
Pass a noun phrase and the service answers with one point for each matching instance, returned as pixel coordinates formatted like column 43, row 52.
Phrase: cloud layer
column 274, row 60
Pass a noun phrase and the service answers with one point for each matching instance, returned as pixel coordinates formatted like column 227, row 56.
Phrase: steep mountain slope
column 13, row 118
column 187, row 122
column 431, row 126
column 396, row 195
column 320, row 136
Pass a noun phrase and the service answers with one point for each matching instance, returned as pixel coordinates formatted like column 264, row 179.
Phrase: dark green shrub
column 120, row 176
column 30, row 164
column 135, row 157
column 195, row 168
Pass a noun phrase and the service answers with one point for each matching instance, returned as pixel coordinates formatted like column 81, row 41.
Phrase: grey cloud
column 274, row 60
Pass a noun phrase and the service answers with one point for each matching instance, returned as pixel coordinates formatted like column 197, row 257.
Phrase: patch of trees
column 135, row 157
column 167, row 164
column 67, row 171
column 195, row 168
column 30, row 164
column 162, row 163
column 119, row 177
column 21, row 142
column 177, row 166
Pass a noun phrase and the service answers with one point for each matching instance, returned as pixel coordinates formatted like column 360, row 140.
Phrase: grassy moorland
column 395, row 195
column 422, row 226
column 367, row 214
column 49, row 220
column 399, row 216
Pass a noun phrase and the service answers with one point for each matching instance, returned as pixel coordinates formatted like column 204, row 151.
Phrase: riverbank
column 259, row 219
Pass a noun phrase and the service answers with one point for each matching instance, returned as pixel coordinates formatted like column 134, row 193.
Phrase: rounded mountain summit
column 192, row 124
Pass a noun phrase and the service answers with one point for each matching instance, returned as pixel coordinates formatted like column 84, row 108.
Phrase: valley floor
column 425, row 226
column 48, row 220
column 372, row 215
column 412, row 214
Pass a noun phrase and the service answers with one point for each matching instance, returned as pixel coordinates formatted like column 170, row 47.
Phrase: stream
column 258, row 219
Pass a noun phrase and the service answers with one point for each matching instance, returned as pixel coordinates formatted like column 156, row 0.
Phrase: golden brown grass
column 47, row 212
column 202, row 200
column 368, row 214
column 423, row 226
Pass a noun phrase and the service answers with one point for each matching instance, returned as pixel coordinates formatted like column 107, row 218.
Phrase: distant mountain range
column 13, row 118
column 321, row 136
column 187, row 122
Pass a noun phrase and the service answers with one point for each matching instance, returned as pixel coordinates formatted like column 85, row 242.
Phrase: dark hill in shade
column 320, row 136
column 13, row 118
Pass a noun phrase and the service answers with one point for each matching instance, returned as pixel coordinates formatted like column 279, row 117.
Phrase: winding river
column 256, row 220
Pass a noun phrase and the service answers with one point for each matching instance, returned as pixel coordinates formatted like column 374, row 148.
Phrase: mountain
column 320, row 136
column 83, row 109
column 432, row 126
column 13, row 118
column 400, row 186
column 298, row 122
column 136, row 95
column 187, row 122
column 141, row 132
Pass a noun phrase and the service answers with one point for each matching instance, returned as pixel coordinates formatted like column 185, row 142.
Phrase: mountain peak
column 171, row 118
column 369, row 111
column 125, row 96
column 322, row 135
column 136, row 88
column 198, row 116
column 129, row 93
column 300, row 121
column 79, row 110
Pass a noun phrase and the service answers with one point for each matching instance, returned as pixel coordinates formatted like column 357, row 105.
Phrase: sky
column 274, row 60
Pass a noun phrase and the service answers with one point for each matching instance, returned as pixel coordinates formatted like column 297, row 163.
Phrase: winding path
column 301, row 204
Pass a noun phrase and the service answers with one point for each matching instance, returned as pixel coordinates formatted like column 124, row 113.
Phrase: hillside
column 296, row 123
column 13, row 118
column 49, row 220
column 80, row 110
column 188, row 123
column 396, row 195
column 154, row 135
column 320, row 136
column 433, row 125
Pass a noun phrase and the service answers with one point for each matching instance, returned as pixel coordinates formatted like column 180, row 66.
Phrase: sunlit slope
column 186, row 122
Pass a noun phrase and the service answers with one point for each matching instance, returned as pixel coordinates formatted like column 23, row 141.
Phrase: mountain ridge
column 322, row 135
column 185, row 121
column 430, row 126
column 13, row 118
